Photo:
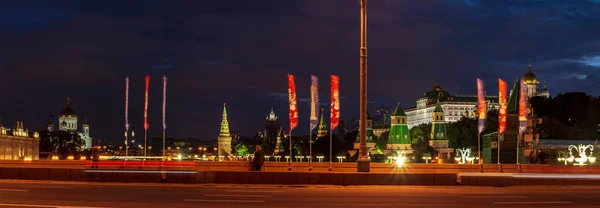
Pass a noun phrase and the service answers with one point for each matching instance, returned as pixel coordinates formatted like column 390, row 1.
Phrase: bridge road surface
column 15, row 193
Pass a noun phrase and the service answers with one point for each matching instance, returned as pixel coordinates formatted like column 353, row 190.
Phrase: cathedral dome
column 436, row 94
column 529, row 77
column 68, row 111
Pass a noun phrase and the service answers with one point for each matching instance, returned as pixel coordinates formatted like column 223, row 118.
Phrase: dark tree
column 61, row 142
column 420, row 136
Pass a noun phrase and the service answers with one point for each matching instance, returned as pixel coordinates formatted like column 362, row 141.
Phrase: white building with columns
column 457, row 106
column 454, row 106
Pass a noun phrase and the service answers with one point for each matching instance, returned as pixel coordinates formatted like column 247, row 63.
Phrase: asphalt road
column 71, row 194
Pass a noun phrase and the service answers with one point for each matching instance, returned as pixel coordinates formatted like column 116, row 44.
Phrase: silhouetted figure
column 95, row 156
column 259, row 158
column 532, row 157
column 542, row 156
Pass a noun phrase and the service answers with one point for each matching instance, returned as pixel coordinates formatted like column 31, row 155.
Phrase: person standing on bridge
column 259, row 158
column 95, row 156
column 542, row 156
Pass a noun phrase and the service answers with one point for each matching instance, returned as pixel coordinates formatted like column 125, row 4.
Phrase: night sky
column 240, row 51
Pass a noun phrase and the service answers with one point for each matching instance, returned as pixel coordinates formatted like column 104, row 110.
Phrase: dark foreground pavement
column 72, row 194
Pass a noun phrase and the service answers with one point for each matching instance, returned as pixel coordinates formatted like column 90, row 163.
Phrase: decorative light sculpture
column 463, row 156
column 427, row 157
column 581, row 150
column 566, row 156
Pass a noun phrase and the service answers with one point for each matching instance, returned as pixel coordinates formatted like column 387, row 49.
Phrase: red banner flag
column 292, row 102
column 335, row 102
column 502, row 102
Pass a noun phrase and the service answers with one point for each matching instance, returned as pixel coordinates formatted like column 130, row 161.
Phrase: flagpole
column 479, row 151
column 290, row 161
column 310, row 150
column 330, row 149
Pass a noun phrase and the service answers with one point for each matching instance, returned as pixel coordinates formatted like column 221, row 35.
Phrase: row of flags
column 314, row 102
column 502, row 101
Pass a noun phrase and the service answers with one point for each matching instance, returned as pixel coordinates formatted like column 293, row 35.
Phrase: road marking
column 14, row 190
column 492, row 197
column 233, row 195
column 224, row 200
column 39, row 205
column 49, row 187
column 548, row 202
column 254, row 191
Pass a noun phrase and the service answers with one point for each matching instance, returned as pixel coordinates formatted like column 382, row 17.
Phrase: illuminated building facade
column 271, row 129
column 18, row 144
column 454, row 106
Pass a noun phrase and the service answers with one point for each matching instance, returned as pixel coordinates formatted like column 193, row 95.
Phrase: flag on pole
column 314, row 102
column 292, row 102
column 503, row 108
column 164, row 104
column 335, row 102
column 523, row 101
column 146, row 125
column 481, row 105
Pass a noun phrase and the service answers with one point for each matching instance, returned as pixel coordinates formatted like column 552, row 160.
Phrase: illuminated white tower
column 85, row 135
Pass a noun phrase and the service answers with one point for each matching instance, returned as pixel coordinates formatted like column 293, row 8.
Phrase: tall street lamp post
column 363, row 164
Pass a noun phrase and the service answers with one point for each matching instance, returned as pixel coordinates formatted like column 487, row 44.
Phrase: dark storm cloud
column 240, row 52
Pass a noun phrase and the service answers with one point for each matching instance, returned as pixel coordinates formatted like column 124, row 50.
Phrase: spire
column 322, row 121
column 369, row 116
column 272, row 116
column 68, row 101
column 399, row 111
column 280, row 133
column 85, row 122
column 51, row 120
column 224, row 132
column 438, row 107
column 513, row 100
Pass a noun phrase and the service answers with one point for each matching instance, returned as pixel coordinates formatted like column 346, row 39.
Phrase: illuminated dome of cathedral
column 68, row 111
column 530, row 78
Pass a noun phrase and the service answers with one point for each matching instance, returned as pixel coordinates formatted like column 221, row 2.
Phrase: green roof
column 369, row 116
column 513, row 100
column 399, row 111
column 322, row 122
column 438, row 107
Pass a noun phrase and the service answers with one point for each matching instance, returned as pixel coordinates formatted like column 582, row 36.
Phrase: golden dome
column 530, row 78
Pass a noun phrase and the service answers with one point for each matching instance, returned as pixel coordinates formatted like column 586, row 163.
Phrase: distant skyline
column 240, row 52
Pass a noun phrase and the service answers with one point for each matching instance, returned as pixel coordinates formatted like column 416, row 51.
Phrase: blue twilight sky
column 239, row 52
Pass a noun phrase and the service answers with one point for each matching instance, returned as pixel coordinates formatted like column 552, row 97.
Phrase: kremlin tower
column 224, row 139
column 399, row 137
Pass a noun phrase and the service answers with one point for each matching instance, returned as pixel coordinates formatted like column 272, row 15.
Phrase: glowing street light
column 400, row 159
